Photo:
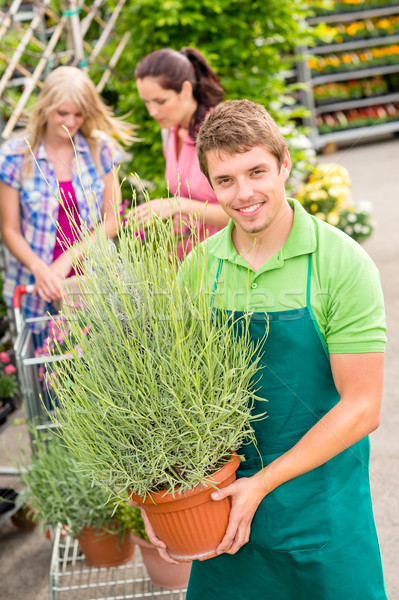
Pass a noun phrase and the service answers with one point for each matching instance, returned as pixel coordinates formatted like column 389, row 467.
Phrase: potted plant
column 327, row 195
column 8, row 385
column 159, row 390
column 58, row 491
column 162, row 574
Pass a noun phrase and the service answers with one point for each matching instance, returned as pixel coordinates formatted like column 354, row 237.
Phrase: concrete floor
column 374, row 169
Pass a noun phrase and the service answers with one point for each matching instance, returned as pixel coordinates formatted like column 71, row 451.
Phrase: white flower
column 352, row 218
column 300, row 141
column 357, row 228
column 348, row 230
column 365, row 229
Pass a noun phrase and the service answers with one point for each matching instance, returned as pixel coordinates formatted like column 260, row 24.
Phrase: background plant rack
column 73, row 23
column 71, row 577
column 304, row 75
column 355, row 15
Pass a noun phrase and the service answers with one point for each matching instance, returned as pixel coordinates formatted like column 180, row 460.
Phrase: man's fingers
column 223, row 492
column 164, row 554
column 154, row 539
column 229, row 537
column 240, row 540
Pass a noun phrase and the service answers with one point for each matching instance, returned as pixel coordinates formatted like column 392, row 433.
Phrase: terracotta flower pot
column 191, row 524
column 162, row 574
column 104, row 549
column 24, row 520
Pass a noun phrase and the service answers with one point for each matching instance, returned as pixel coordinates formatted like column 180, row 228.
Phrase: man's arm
column 359, row 381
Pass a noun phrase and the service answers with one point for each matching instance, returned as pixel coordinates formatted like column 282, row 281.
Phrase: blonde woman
column 39, row 249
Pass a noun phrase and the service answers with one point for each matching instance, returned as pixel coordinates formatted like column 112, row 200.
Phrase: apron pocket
column 295, row 516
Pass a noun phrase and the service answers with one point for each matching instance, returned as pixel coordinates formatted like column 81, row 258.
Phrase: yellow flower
column 321, row 216
column 317, row 195
column 314, row 207
column 337, row 191
column 333, row 218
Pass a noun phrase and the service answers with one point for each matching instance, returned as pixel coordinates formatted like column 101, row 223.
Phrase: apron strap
column 308, row 282
column 215, row 283
column 310, row 309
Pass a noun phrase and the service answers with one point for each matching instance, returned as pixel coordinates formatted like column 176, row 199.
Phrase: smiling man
column 301, row 524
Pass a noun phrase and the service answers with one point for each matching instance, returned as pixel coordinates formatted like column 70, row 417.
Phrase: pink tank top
column 185, row 178
column 67, row 212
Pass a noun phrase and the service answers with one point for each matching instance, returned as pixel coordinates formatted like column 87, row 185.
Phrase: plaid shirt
column 39, row 203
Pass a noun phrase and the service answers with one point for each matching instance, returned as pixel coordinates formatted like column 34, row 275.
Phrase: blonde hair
column 71, row 83
column 237, row 126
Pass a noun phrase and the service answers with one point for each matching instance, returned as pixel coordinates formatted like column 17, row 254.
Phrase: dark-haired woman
column 179, row 89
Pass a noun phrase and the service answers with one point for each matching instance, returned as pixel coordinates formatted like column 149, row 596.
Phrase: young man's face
column 249, row 186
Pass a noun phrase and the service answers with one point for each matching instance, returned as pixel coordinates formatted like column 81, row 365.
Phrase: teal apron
column 313, row 538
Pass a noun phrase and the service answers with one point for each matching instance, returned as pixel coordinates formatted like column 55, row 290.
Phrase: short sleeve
column 110, row 155
column 11, row 162
column 356, row 319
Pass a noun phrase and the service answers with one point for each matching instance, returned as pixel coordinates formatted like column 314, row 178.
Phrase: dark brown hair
column 172, row 68
column 238, row 126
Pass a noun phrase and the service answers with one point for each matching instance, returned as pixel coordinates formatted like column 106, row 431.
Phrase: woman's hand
column 163, row 207
column 246, row 494
column 48, row 278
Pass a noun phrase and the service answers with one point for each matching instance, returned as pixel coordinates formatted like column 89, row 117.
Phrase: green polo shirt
column 346, row 298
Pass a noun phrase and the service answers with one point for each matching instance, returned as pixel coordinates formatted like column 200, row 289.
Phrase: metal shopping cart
column 70, row 576
column 36, row 397
column 72, row 579
column 32, row 393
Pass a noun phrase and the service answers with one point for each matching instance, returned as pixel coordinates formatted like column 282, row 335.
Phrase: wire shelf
column 71, row 578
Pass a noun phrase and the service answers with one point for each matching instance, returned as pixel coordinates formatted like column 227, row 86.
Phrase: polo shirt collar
column 302, row 238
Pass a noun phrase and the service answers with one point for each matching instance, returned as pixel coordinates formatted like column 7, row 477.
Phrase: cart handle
column 21, row 290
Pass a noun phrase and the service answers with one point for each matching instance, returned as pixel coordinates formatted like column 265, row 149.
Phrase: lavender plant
column 58, row 489
column 160, row 390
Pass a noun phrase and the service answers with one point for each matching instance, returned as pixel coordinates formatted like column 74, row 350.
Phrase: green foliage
column 3, row 306
column 8, row 379
column 130, row 517
column 58, row 489
column 8, row 384
column 249, row 43
column 158, row 392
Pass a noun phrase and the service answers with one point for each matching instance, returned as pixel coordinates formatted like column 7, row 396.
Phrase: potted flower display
column 162, row 574
column 8, row 386
column 159, row 390
column 58, row 491
column 327, row 195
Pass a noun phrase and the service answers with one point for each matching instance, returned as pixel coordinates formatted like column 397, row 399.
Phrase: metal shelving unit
column 72, row 579
column 305, row 75
column 357, row 103
column 355, row 15
column 355, row 74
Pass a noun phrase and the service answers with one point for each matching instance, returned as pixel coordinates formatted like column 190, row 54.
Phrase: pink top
column 184, row 178
column 67, row 211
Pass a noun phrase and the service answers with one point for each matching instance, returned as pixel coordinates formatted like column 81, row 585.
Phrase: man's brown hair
column 238, row 126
